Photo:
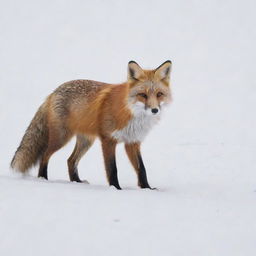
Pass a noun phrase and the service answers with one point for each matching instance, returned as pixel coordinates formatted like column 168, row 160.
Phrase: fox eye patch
column 143, row 95
column 159, row 94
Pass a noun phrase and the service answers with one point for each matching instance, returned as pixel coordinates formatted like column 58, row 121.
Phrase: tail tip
column 17, row 166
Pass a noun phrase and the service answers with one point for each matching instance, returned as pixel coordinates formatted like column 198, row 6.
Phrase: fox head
column 149, row 89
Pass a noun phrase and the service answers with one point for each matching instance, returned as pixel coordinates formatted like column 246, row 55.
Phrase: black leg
column 43, row 171
column 108, row 148
column 74, row 176
column 142, row 176
column 133, row 152
column 112, row 170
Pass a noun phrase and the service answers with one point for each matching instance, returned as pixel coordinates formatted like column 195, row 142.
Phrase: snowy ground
column 201, row 157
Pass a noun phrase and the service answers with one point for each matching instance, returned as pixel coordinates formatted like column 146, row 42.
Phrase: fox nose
column 154, row 110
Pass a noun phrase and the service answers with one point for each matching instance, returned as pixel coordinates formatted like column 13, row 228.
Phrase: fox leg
column 133, row 152
column 83, row 143
column 43, row 169
column 109, row 148
column 57, row 139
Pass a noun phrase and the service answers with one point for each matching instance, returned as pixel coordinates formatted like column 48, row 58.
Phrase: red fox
column 88, row 109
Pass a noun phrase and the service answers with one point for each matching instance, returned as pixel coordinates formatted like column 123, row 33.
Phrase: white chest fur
column 138, row 127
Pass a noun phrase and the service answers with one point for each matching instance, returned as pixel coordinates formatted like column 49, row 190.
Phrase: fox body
column 88, row 109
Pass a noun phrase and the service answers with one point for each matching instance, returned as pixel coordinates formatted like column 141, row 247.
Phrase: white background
column 201, row 156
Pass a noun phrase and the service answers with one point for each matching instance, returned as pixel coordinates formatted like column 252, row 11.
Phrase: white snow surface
column 201, row 156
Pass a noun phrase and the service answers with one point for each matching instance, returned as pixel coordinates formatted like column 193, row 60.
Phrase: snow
column 201, row 156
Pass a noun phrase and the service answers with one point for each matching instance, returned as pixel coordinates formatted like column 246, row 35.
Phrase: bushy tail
column 33, row 143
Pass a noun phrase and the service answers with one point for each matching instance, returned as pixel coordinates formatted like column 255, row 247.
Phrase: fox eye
column 159, row 94
column 143, row 95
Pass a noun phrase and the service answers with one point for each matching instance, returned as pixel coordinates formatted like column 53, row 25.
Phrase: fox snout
column 154, row 110
column 140, row 107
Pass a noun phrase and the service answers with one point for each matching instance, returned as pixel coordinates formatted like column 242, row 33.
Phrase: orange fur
column 93, row 117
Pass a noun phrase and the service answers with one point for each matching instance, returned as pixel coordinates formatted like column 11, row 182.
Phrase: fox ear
column 134, row 71
column 163, row 71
